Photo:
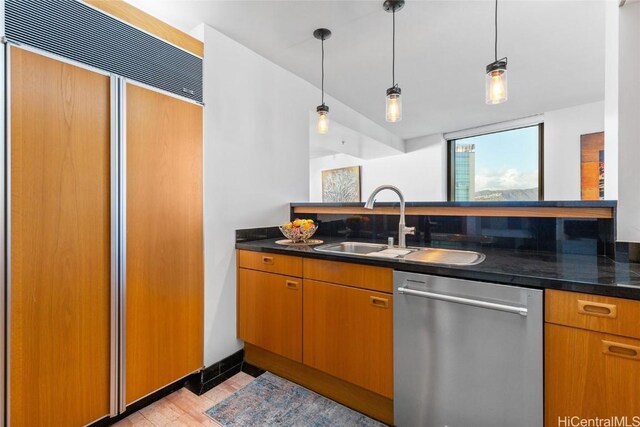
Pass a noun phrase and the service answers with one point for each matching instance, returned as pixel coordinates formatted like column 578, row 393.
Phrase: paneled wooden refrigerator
column 104, row 250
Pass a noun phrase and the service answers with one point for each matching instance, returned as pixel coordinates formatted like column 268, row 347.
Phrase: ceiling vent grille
column 76, row 31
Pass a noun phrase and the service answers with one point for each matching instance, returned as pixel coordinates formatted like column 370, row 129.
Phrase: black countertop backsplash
column 585, row 236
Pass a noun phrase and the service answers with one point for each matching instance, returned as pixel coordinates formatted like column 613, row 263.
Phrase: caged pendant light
column 394, row 94
column 496, row 78
column 323, row 110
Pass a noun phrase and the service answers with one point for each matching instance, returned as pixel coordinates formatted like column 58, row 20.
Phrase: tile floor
column 184, row 408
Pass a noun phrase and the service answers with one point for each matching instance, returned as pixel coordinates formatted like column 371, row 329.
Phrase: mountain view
column 506, row 195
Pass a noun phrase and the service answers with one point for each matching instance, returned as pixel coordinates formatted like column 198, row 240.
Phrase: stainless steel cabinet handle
column 466, row 301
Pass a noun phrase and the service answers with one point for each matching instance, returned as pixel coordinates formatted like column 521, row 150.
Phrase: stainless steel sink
column 423, row 255
column 353, row 248
column 445, row 256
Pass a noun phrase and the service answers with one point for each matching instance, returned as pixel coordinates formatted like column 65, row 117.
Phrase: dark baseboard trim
column 197, row 383
column 146, row 401
column 252, row 370
column 216, row 374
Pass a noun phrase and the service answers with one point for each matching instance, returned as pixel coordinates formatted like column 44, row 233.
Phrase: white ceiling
column 556, row 51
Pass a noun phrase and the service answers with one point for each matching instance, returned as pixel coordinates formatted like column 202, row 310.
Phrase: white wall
column 418, row 173
column 256, row 161
column 611, row 71
column 629, row 124
column 562, row 130
column 255, row 113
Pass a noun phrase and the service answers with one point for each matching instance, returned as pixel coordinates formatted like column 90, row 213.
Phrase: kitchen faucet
column 403, row 230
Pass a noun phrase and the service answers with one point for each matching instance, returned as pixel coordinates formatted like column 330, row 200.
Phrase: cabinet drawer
column 270, row 312
column 346, row 273
column 271, row 263
column 597, row 313
column 590, row 374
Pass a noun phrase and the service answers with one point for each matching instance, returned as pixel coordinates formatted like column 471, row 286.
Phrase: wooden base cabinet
column 326, row 325
column 348, row 334
column 589, row 372
column 270, row 312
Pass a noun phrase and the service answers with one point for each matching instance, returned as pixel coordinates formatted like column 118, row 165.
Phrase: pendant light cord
column 393, row 52
column 322, row 84
column 496, row 30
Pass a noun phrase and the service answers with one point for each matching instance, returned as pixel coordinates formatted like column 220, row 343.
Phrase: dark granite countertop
column 579, row 273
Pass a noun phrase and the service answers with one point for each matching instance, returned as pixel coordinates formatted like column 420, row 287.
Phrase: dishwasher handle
column 466, row 301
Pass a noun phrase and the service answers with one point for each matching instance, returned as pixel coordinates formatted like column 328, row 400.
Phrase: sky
column 506, row 160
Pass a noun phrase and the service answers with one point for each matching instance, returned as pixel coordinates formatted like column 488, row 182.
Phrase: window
column 505, row 165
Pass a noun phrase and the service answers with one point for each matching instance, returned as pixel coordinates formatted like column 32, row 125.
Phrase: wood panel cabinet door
column 164, row 261
column 270, row 312
column 590, row 374
column 59, row 291
column 348, row 333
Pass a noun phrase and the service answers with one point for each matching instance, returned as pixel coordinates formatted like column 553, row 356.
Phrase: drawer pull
column 597, row 309
column 267, row 260
column 379, row 302
column 292, row 285
column 621, row 350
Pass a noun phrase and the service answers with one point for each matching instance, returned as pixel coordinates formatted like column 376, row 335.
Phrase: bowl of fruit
column 299, row 230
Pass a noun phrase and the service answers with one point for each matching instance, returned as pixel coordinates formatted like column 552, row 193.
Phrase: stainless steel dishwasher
column 466, row 354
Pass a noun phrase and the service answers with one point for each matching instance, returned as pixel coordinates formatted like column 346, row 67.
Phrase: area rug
column 273, row 401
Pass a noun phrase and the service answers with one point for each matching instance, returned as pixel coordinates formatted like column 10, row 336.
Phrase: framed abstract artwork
column 592, row 166
column 341, row 185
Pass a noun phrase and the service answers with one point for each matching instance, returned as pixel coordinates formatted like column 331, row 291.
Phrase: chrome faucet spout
column 370, row 202
column 403, row 230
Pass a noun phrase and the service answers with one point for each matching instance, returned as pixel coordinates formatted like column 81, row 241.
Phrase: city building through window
column 505, row 165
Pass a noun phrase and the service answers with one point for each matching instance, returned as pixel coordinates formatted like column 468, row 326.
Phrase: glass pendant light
column 322, row 126
column 323, row 119
column 394, row 104
column 394, row 93
column 496, row 78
